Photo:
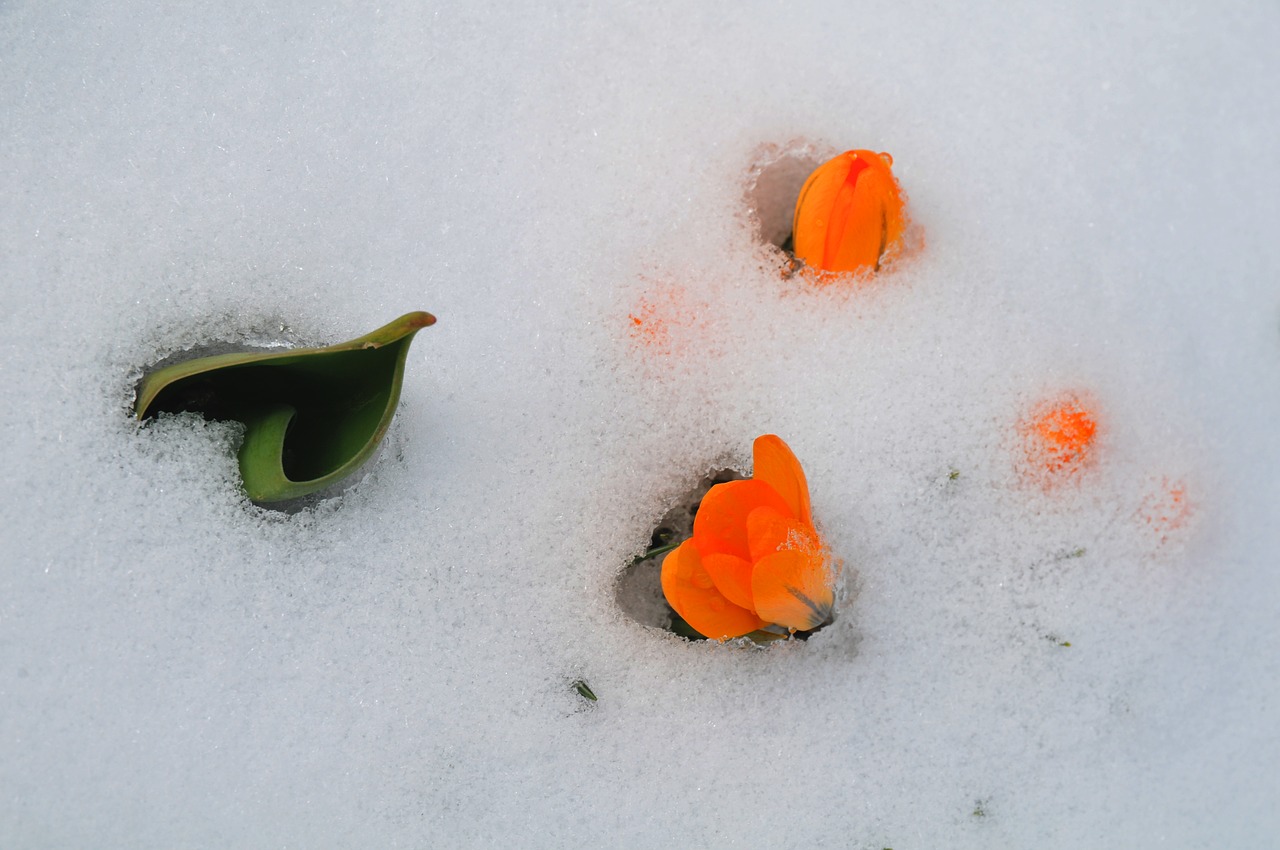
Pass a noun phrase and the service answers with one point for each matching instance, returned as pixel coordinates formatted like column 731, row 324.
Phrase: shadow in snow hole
column 773, row 182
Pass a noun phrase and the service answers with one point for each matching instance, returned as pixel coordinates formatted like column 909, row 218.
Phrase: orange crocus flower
column 755, row 560
column 849, row 215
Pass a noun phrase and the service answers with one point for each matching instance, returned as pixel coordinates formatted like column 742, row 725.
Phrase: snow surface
column 1096, row 184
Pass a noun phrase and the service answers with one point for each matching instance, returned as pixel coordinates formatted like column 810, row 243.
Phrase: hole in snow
column 639, row 588
column 773, row 183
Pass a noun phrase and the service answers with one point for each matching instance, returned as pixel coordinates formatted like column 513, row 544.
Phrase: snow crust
column 1096, row 189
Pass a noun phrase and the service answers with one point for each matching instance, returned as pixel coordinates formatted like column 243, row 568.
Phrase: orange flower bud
column 755, row 560
column 849, row 216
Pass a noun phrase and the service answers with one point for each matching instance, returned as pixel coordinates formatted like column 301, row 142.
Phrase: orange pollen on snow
column 1167, row 510
column 1061, row 437
column 647, row 327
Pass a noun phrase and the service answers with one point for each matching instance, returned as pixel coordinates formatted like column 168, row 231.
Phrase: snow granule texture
column 589, row 198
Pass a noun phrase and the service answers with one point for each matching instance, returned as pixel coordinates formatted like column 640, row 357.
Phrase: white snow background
column 1097, row 186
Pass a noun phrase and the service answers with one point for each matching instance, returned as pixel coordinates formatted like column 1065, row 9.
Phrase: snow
column 1096, row 189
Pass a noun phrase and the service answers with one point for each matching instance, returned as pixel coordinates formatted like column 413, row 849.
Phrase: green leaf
column 312, row 416
column 656, row 551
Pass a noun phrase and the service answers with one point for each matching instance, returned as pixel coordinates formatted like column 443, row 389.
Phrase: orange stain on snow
column 664, row 321
column 1059, row 436
column 648, row 326
column 1167, row 509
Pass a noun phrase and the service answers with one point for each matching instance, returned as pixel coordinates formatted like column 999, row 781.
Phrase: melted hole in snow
column 203, row 398
column 773, row 182
column 639, row 587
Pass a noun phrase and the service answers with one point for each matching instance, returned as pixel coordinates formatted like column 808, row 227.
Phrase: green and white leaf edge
column 261, row 454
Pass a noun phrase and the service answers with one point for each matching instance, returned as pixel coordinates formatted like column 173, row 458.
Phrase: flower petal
column 813, row 208
column 721, row 523
column 872, row 222
column 769, row 531
column 844, row 208
column 692, row 593
column 776, row 465
column 732, row 576
column 793, row 588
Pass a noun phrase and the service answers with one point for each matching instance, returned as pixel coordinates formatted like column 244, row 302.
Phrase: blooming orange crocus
column 755, row 560
column 849, row 216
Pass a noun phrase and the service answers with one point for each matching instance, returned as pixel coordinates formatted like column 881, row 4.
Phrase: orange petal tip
column 775, row 464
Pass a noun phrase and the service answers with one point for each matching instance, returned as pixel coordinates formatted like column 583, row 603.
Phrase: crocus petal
column 732, row 576
column 721, row 522
column 769, row 531
column 863, row 223
column 849, row 213
column 793, row 589
column 776, row 465
column 692, row 593
column 813, row 207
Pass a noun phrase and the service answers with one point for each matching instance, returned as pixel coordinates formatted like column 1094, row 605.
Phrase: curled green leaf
column 312, row 416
